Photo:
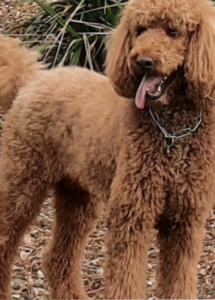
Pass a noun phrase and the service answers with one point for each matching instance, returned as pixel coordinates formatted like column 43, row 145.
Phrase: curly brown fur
column 17, row 66
column 192, row 47
column 67, row 129
column 54, row 115
column 173, row 192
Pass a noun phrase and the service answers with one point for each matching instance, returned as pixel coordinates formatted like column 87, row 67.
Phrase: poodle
column 141, row 140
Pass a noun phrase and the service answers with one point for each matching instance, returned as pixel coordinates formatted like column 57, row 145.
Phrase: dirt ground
column 28, row 280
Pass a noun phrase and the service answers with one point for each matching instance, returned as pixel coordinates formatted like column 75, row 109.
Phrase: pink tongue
column 145, row 84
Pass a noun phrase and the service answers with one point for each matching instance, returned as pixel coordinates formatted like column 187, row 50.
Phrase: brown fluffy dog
column 64, row 131
column 163, row 50
column 68, row 130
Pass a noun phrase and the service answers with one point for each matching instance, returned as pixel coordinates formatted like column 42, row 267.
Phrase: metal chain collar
column 169, row 139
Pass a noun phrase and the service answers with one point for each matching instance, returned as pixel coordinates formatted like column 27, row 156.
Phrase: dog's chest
column 189, row 158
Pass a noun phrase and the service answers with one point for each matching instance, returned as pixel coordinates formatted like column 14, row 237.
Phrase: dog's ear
column 200, row 59
column 118, row 47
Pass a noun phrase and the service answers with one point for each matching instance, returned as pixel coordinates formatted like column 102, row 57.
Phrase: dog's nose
column 145, row 63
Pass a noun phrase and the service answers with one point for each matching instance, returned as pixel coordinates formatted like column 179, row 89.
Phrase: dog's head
column 154, row 40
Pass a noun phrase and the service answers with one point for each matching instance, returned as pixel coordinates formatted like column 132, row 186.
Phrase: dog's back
column 17, row 66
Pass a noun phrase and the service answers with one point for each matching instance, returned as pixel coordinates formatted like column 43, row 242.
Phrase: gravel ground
column 28, row 280
column 15, row 12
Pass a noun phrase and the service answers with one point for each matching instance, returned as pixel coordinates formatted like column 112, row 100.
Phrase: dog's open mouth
column 151, row 87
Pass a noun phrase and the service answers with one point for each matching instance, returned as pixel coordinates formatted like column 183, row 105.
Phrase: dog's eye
column 171, row 32
column 140, row 30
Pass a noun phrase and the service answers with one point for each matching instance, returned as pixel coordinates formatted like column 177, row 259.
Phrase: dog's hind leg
column 21, row 195
column 75, row 216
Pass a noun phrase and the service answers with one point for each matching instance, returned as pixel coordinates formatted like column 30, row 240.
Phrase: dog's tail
column 17, row 66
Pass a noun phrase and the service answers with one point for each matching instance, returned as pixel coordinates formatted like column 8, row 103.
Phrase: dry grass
column 28, row 279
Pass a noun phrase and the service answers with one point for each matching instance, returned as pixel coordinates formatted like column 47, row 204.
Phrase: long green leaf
column 52, row 13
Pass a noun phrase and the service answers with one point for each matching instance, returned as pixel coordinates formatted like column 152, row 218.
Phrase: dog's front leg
column 180, row 239
column 129, row 229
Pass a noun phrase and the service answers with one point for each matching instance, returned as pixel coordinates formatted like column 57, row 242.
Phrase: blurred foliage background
column 71, row 32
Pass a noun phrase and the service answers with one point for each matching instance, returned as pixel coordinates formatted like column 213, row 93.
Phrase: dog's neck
column 181, row 93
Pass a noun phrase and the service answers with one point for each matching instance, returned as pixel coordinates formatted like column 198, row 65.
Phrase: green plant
column 72, row 32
